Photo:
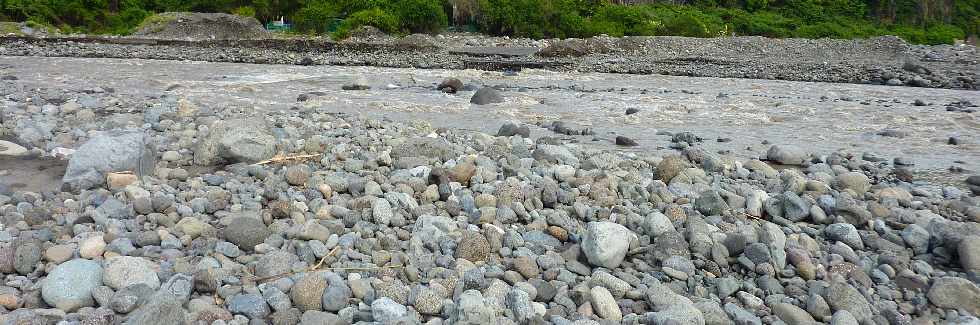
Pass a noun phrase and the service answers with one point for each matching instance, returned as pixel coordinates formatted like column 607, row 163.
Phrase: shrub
column 245, row 11
column 419, row 16
column 623, row 21
column 684, row 24
column 314, row 18
column 371, row 17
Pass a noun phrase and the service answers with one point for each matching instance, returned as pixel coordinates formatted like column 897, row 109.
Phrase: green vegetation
column 918, row 21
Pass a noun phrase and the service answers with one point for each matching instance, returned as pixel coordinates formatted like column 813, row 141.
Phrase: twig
column 283, row 158
column 324, row 258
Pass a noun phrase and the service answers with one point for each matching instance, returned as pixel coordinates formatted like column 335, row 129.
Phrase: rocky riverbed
column 201, row 193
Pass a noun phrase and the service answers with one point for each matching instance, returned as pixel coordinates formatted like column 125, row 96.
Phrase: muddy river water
column 820, row 117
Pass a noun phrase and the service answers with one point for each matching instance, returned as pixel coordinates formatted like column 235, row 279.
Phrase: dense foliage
column 919, row 21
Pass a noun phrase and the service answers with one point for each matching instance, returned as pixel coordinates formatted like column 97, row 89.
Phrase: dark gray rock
column 512, row 129
column 251, row 305
column 246, row 232
column 486, row 95
column 450, row 85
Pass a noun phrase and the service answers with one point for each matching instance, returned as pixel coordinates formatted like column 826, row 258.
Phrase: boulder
column 787, row 155
column 245, row 140
column 486, row 95
column 112, row 151
column 450, row 85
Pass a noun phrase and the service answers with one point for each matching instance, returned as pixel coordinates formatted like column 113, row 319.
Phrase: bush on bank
column 919, row 21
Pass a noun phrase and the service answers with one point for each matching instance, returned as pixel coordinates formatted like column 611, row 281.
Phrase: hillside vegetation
column 917, row 21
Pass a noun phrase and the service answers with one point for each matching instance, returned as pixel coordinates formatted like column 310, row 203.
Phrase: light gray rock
column 792, row 314
column 955, row 293
column 520, row 304
column 473, row 309
column 969, row 251
column 69, row 285
column 606, row 243
column 842, row 296
column 713, row 313
column 657, row 223
column 123, row 271
column 787, row 155
column 845, row 233
column 245, row 140
column 843, row 317
column 385, row 310
column 113, row 151
column 160, row 308
column 855, row 181
column 605, row 305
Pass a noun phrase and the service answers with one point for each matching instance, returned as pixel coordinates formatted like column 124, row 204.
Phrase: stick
column 283, row 158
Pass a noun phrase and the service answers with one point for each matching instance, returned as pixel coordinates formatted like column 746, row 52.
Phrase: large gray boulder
column 112, row 151
column 246, row 140
column 69, row 286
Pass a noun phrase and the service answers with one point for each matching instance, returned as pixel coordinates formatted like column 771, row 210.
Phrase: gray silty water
column 820, row 117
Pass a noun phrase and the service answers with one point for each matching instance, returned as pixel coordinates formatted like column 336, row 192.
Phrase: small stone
column 59, row 253
column 845, row 233
column 520, row 304
column 275, row 263
column 842, row 296
column 307, row 293
column 26, row 257
column 246, row 232
column 792, row 314
column 605, row 305
column 626, row 142
column 298, row 175
column 337, row 294
column 474, row 247
column 92, row 247
column 605, row 243
column 356, row 83
column 118, row 181
column 385, row 310
column 526, row 266
column 250, row 305
column 855, row 181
